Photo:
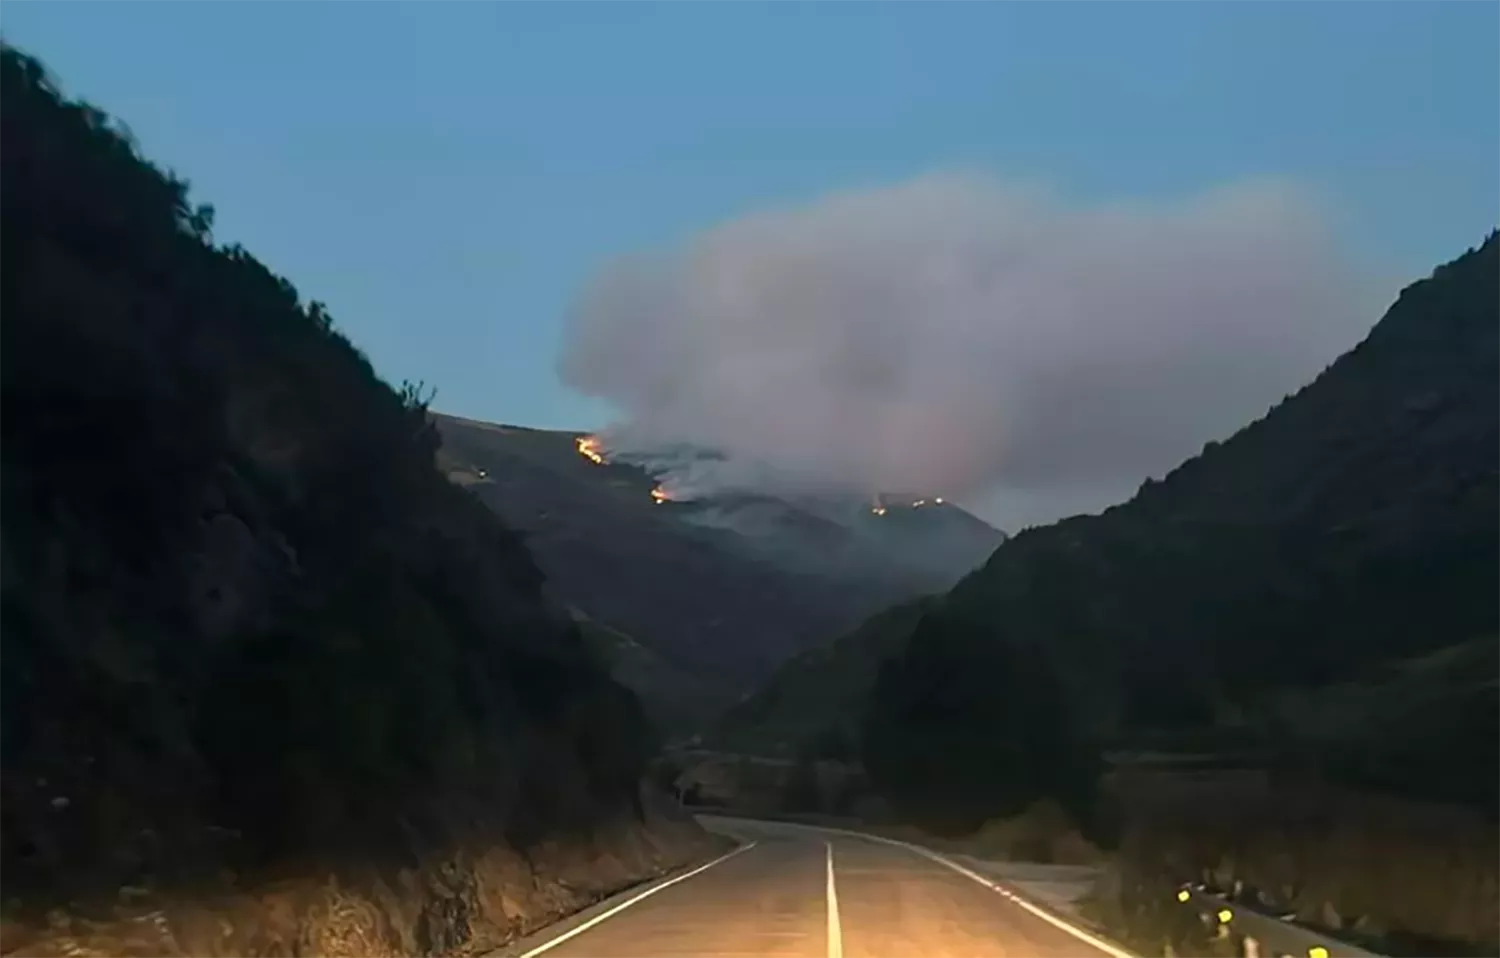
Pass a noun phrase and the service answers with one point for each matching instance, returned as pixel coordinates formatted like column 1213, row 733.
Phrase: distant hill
column 673, row 697
column 811, row 705
column 1354, row 525
column 720, row 589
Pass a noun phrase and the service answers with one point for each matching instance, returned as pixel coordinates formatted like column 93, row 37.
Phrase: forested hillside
column 249, row 631
column 1353, row 526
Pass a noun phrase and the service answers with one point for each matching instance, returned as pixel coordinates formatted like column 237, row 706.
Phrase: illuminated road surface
column 803, row 893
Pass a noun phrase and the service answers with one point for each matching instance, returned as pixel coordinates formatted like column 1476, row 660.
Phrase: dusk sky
column 451, row 178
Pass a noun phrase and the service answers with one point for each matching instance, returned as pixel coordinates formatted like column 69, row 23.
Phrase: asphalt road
column 800, row 892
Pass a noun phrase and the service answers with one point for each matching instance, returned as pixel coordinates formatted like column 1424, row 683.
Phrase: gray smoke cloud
column 965, row 336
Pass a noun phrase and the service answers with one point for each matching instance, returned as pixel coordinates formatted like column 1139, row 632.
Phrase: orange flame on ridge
column 588, row 447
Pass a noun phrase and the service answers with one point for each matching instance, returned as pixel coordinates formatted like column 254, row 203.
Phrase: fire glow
column 588, row 447
column 660, row 495
column 879, row 507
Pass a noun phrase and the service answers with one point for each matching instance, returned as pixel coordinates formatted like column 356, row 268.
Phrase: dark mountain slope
column 812, row 703
column 1355, row 524
column 611, row 551
column 249, row 631
column 674, row 698
column 723, row 587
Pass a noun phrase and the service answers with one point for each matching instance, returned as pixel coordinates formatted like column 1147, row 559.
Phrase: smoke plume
column 963, row 336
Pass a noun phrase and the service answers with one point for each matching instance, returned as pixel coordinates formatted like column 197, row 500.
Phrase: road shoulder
column 542, row 939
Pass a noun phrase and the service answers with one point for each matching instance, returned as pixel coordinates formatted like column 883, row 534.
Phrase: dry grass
column 1043, row 833
column 468, row 903
column 1392, row 869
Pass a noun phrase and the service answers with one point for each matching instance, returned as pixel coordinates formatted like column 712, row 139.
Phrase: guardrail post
column 1252, row 947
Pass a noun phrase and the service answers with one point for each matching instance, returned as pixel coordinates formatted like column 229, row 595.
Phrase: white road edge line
column 835, row 933
column 548, row 946
column 1087, row 937
column 1010, row 896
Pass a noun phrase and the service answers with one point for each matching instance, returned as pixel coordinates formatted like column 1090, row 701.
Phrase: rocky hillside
column 1354, row 525
column 272, row 684
column 718, row 587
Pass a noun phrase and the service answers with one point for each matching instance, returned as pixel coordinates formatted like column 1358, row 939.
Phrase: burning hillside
column 721, row 492
column 732, row 568
column 592, row 449
column 884, row 503
column 588, row 447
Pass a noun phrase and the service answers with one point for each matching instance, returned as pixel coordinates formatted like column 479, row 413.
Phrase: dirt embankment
column 464, row 902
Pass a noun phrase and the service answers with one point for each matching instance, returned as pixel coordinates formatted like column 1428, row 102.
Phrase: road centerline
column 1077, row 933
column 835, row 933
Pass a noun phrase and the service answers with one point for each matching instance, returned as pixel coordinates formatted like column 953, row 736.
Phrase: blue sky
column 446, row 176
